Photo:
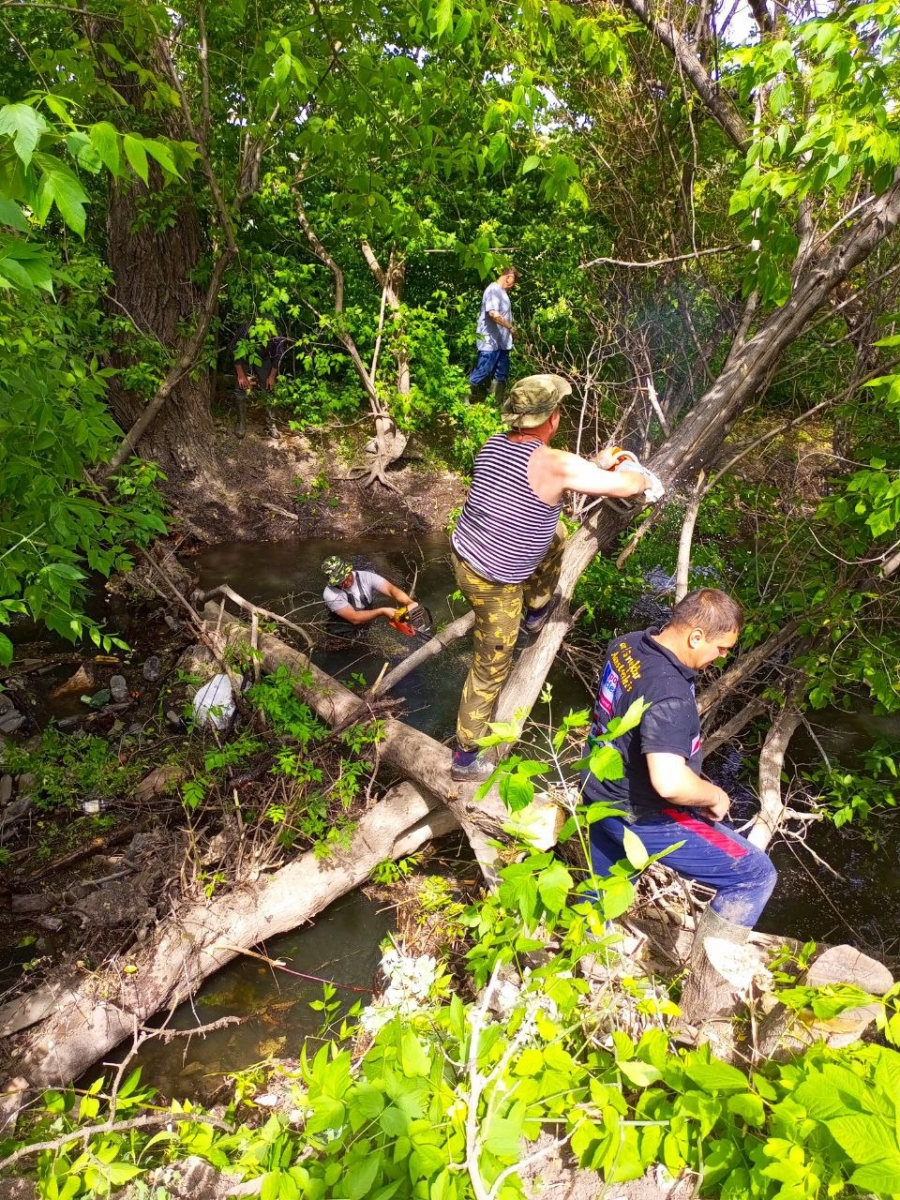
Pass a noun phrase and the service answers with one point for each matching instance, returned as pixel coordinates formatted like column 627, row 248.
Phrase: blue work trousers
column 492, row 364
column 742, row 874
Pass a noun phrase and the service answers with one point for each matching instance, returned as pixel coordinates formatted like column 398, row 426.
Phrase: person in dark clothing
column 662, row 796
column 256, row 371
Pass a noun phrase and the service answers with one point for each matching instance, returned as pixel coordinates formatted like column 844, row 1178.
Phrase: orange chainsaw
column 412, row 622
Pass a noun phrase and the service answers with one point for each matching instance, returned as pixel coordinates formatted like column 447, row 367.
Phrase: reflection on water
column 859, row 904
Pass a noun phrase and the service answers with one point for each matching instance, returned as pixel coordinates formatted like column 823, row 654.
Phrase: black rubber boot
column 242, row 415
column 501, row 387
column 478, row 393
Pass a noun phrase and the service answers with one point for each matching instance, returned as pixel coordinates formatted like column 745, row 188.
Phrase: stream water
column 862, row 906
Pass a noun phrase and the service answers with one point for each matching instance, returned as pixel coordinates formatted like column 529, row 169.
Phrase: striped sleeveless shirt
column 504, row 529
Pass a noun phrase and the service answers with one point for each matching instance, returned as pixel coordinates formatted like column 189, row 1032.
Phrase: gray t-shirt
column 366, row 585
column 490, row 335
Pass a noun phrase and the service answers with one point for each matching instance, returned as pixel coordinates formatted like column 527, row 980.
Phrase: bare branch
column 745, row 666
column 727, row 732
column 691, row 512
column 451, row 633
column 318, row 249
column 162, row 1118
column 771, row 763
column 719, row 104
column 255, row 611
column 660, row 262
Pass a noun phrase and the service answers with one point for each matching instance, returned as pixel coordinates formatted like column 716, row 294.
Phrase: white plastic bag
column 214, row 703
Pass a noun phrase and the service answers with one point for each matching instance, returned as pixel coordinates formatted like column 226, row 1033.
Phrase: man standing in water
column 351, row 593
column 509, row 541
column 662, row 796
column 494, row 338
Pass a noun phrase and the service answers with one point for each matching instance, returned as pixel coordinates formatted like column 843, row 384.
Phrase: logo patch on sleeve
column 608, row 687
column 695, row 745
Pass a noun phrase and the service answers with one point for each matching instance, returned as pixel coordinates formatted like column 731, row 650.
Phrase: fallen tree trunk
column 412, row 754
column 89, row 1017
column 450, row 633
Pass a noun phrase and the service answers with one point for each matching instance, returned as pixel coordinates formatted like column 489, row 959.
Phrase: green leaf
column 6, row 650
column 413, row 1058
column 531, row 163
column 605, row 763
column 136, row 155
column 163, row 156
column 443, row 16
column 360, row 1176
column 12, row 215
column 25, row 126
column 864, row 1139
column 882, row 1177
column 60, row 186
column 367, row 1100
column 502, row 1137
column 105, row 140
column 780, row 96
column 282, row 69
column 634, row 848
column 716, row 1077
column 749, row 1107
column 554, row 886
column 328, row 1113
column 617, row 897
column 641, row 1074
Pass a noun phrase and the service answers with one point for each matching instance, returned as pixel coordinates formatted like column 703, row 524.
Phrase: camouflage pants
column 498, row 613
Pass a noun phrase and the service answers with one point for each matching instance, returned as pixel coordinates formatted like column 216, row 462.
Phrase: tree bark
column 152, row 262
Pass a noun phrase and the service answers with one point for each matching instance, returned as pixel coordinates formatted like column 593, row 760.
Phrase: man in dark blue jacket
column 662, row 795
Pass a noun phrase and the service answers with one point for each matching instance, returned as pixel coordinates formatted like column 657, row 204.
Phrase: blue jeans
column 742, row 874
column 492, row 364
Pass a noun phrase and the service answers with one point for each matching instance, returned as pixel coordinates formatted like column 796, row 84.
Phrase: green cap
column 336, row 570
column 532, row 400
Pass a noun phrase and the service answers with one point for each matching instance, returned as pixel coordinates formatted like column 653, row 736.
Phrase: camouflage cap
column 336, row 569
column 532, row 400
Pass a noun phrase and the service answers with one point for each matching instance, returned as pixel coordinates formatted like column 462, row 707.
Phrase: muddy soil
column 270, row 488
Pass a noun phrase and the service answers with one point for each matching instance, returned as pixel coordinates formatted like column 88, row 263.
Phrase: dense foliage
column 349, row 175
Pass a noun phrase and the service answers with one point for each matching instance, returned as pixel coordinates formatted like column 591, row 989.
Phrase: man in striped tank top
column 509, row 541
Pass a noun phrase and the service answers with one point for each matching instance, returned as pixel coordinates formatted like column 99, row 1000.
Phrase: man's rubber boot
column 501, row 387
column 709, row 1001
column 478, row 393
column 242, row 416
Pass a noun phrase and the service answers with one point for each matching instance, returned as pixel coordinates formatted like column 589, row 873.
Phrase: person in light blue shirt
column 494, row 338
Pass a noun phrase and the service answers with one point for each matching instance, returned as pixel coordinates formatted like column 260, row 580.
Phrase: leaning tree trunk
column 698, row 439
column 152, row 270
